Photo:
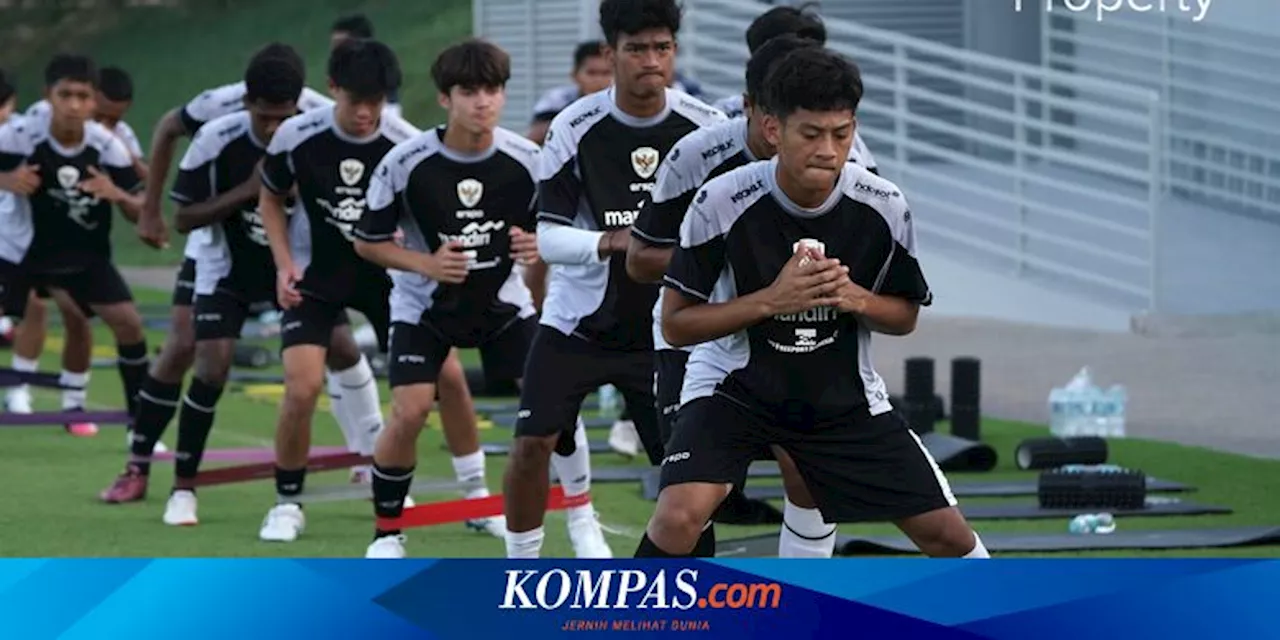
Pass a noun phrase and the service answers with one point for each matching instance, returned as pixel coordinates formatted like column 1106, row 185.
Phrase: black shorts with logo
column 184, row 289
column 866, row 469
column 668, row 380
column 419, row 350
column 221, row 315
column 98, row 283
column 312, row 321
column 561, row 370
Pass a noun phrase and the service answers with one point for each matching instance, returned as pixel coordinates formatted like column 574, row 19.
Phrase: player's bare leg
column 303, row 384
column 678, row 521
column 394, row 460
column 158, row 400
column 212, row 367
column 943, row 533
column 462, row 436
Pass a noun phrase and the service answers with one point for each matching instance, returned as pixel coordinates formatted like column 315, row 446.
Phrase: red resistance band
column 426, row 515
column 264, row 470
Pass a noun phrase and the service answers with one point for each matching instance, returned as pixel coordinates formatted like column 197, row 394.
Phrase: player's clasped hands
column 524, row 246
column 448, row 264
column 100, row 186
column 807, row 281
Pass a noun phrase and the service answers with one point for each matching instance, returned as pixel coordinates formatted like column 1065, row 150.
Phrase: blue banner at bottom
column 739, row 599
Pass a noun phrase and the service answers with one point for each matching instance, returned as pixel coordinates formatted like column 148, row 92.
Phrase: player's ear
column 771, row 125
column 443, row 100
column 333, row 89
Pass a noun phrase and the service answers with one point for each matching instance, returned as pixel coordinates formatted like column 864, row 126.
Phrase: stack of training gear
column 920, row 409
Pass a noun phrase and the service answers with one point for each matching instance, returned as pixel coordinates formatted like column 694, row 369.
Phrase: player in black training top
column 596, row 171
column 328, row 155
column 463, row 195
column 784, row 269
column 67, row 172
column 217, row 189
column 695, row 159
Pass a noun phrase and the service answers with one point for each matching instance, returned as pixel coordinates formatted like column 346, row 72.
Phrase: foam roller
column 1048, row 453
column 252, row 356
column 1092, row 489
column 966, row 392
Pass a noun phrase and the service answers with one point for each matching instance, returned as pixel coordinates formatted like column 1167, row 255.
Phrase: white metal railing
column 1049, row 174
column 1219, row 91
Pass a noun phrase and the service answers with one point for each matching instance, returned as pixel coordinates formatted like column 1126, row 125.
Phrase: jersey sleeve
column 559, row 185
column 904, row 278
column 195, row 173
column 698, row 261
column 130, row 139
column 12, row 150
column 381, row 216
column 199, row 110
column 277, row 165
column 117, row 163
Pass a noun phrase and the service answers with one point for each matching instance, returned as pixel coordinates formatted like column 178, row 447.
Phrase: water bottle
column 609, row 402
column 1091, row 523
column 1070, row 407
column 1117, row 401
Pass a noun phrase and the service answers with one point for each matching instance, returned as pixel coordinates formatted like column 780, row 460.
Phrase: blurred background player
column 592, row 72
column 112, row 99
column 359, row 26
column 68, row 173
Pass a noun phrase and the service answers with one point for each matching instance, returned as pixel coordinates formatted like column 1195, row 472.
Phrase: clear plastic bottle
column 1091, row 523
column 1071, row 407
column 610, row 402
column 1117, row 406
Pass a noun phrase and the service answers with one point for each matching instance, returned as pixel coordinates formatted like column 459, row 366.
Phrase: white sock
column 805, row 534
column 525, row 544
column 979, row 550
column 20, row 363
column 361, row 411
column 574, row 472
column 336, row 407
column 470, row 468
column 74, row 398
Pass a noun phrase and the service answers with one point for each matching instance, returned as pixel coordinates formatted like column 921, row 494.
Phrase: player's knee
column 409, row 414
column 212, row 364
column 452, row 378
column 674, row 521
column 941, row 534
column 303, row 388
column 343, row 351
column 532, row 451
column 125, row 323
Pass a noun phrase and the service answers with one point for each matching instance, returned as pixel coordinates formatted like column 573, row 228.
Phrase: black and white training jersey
column 229, row 98
column 698, row 157
column 213, row 104
column 597, row 169
column 436, row 195
column 555, row 100
column 222, row 156
column 60, row 227
column 796, row 368
column 122, row 130
column 332, row 170
column 733, row 107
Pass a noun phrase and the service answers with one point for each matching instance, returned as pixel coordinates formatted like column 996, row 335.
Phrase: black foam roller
column 1092, row 489
column 966, row 398
column 919, row 378
column 920, row 413
column 1047, row 453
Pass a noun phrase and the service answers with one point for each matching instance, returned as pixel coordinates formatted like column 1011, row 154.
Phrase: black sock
column 706, row 547
column 157, row 402
column 390, row 486
column 194, row 425
column 648, row 549
column 133, row 364
column 289, row 484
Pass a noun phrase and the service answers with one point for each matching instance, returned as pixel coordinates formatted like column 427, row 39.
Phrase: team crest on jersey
column 351, row 170
column 469, row 192
column 645, row 162
column 68, row 177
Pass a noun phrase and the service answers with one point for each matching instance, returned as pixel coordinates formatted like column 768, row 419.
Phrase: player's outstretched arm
column 151, row 227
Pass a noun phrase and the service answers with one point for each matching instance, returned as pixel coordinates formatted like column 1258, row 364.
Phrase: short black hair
column 115, row 84
column 283, row 52
column 586, row 51
column 813, row 79
column 782, row 21
column 7, row 88
column 471, row 64
column 365, row 68
column 272, row 80
column 630, row 17
column 356, row 24
column 767, row 57
column 72, row 67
